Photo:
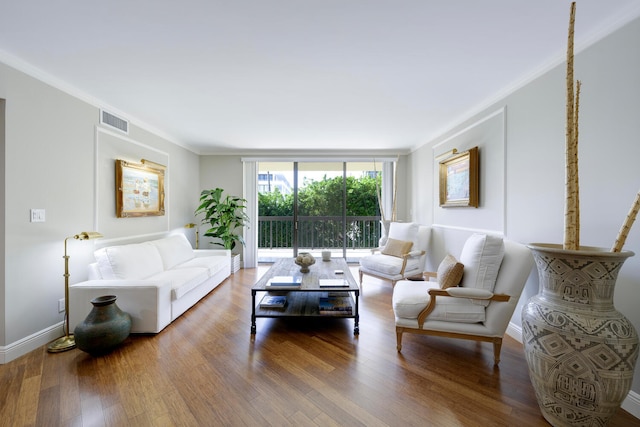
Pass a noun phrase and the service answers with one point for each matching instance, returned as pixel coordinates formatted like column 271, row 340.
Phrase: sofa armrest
column 147, row 302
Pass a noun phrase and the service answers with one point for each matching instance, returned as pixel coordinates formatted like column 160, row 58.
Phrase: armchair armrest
column 406, row 257
column 457, row 292
column 429, row 275
column 413, row 254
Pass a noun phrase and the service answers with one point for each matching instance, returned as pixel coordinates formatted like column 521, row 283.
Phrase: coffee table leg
column 253, row 312
column 356, row 326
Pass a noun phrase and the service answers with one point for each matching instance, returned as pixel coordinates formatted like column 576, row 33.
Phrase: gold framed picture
column 139, row 189
column 459, row 180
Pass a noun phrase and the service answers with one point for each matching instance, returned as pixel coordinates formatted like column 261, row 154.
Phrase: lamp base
column 67, row 342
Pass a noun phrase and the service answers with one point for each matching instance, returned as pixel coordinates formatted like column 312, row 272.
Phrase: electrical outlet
column 61, row 305
column 37, row 215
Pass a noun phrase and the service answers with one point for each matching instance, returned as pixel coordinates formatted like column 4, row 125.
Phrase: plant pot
column 235, row 263
column 104, row 328
column 580, row 350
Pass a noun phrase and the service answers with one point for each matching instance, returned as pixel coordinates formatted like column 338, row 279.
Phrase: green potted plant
column 225, row 216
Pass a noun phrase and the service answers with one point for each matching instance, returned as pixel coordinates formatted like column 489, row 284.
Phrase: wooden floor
column 205, row 370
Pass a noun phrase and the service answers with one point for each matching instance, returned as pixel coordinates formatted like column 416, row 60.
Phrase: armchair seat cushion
column 410, row 298
column 388, row 264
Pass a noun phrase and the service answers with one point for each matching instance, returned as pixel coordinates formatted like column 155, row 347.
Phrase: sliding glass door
column 311, row 206
column 320, row 207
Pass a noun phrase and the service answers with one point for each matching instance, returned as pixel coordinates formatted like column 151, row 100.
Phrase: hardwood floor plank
column 28, row 399
column 207, row 369
column 48, row 410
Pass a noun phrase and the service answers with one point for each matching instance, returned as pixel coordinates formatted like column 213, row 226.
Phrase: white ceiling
column 337, row 75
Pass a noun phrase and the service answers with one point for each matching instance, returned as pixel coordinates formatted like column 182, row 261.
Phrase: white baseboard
column 30, row 343
column 631, row 403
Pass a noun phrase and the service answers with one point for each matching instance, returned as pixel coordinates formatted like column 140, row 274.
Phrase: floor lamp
column 192, row 225
column 67, row 342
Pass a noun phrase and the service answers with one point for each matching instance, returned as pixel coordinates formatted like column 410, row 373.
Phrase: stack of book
column 335, row 306
column 273, row 301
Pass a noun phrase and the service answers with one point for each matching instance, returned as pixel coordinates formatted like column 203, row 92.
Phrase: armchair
column 495, row 272
column 403, row 255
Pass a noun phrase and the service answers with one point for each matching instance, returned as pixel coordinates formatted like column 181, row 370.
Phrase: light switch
column 37, row 215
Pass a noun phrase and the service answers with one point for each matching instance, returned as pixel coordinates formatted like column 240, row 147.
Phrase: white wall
column 49, row 162
column 225, row 172
column 532, row 193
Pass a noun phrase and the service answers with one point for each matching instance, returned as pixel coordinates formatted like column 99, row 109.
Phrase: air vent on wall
column 114, row 121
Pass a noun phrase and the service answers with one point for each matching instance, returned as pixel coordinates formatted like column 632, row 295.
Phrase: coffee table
column 303, row 301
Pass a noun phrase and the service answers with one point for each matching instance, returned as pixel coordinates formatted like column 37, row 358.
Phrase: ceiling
column 331, row 75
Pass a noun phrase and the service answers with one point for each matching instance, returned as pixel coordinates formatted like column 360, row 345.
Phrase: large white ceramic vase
column 580, row 350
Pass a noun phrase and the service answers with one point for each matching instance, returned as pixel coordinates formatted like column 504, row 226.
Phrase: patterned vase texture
column 104, row 328
column 580, row 350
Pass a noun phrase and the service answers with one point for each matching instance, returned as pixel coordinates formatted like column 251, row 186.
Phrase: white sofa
column 154, row 281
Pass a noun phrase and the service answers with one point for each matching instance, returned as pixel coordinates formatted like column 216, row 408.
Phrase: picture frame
column 139, row 189
column 459, row 180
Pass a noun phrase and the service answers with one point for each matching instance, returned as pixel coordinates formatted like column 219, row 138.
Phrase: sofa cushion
column 482, row 256
column 397, row 248
column 410, row 298
column 182, row 280
column 450, row 272
column 213, row 264
column 174, row 250
column 135, row 261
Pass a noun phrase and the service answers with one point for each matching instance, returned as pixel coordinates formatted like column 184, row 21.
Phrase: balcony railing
column 315, row 232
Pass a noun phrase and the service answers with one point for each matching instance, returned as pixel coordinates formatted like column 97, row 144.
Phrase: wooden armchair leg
column 398, row 339
column 497, row 346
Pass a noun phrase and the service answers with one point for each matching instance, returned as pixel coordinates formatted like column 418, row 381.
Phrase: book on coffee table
column 333, row 283
column 334, row 305
column 284, row 282
column 273, row 301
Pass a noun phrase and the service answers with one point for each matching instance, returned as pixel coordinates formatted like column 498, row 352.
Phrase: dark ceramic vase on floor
column 105, row 327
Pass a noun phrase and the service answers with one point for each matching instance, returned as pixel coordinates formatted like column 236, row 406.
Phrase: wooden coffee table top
column 310, row 281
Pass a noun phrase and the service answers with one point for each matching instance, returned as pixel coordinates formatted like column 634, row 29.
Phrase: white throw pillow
column 482, row 256
column 174, row 250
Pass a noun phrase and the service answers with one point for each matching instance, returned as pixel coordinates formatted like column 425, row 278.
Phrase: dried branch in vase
column 626, row 226
column 572, row 193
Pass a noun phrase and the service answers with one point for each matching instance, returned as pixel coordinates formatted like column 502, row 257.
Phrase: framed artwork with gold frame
column 139, row 189
column 459, row 180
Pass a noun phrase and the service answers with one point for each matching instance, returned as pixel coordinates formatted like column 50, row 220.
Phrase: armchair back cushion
column 482, row 256
column 406, row 231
